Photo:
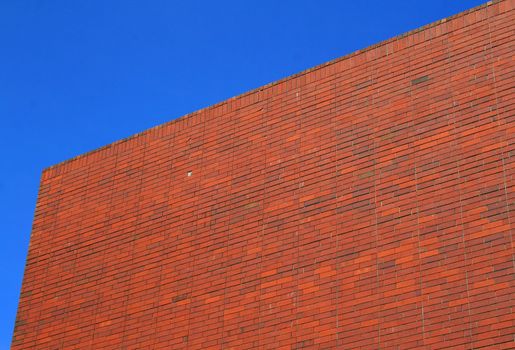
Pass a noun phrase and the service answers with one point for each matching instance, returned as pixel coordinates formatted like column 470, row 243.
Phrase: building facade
column 365, row 203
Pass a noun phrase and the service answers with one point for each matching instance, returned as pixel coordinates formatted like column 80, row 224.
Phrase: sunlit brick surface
column 361, row 204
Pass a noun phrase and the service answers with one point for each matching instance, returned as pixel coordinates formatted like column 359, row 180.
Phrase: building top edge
column 276, row 82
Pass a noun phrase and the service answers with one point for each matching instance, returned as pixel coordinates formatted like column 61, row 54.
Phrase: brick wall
column 365, row 203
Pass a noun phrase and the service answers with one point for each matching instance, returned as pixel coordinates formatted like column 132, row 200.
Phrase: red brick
column 364, row 203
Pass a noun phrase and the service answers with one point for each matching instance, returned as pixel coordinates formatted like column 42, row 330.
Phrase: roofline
column 276, row 82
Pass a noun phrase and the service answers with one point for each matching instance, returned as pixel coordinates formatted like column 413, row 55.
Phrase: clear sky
column 76, row 75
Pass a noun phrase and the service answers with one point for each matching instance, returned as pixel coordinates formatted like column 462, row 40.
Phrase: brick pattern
column 365, row 203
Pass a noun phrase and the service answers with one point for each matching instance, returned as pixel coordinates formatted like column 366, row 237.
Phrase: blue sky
column 76, row 75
